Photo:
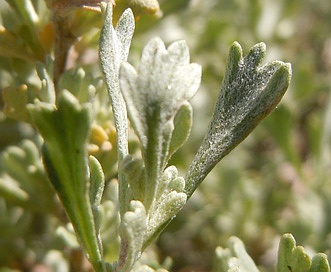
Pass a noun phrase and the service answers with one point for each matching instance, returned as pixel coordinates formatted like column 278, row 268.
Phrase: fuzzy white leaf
column 114, row 49
column 133, row 228
column 164, row 82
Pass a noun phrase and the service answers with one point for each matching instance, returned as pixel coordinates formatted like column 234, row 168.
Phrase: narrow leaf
column 113, row 50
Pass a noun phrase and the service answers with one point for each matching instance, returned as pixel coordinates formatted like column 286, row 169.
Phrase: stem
column 64, row 39
column 123, row 253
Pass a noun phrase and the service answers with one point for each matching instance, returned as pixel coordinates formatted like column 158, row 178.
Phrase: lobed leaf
column 164, row 82
column 249, row 92
column 169, row 200
column 66, row 130
column 294, row 258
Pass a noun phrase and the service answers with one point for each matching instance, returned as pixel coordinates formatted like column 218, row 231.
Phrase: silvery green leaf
column 182, row 128
column 96, row 188
column 97, row 181
column 165, row 80
column 169, row 200
column 249, row 92
column 170, row 181
column 114, row 49
column 166, row 210
column 133, row 227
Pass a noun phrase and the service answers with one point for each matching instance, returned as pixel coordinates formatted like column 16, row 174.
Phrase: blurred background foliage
column 277, row 181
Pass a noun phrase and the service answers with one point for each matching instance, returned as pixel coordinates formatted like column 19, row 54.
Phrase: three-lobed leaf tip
column 249, row 92
column 154, row 93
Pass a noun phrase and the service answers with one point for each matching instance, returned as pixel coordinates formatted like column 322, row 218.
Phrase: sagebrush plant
column 83, row 142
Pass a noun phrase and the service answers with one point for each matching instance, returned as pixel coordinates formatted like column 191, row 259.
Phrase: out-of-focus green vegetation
column 277, row 181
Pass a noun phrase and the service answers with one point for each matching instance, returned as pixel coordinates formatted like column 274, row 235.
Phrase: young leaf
column 249, row 93
column 169, row 200
column 133, row 227
column 97, row 185
column 114, row 49
column 97, row 180
column 165, row 80
column 182, row 128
